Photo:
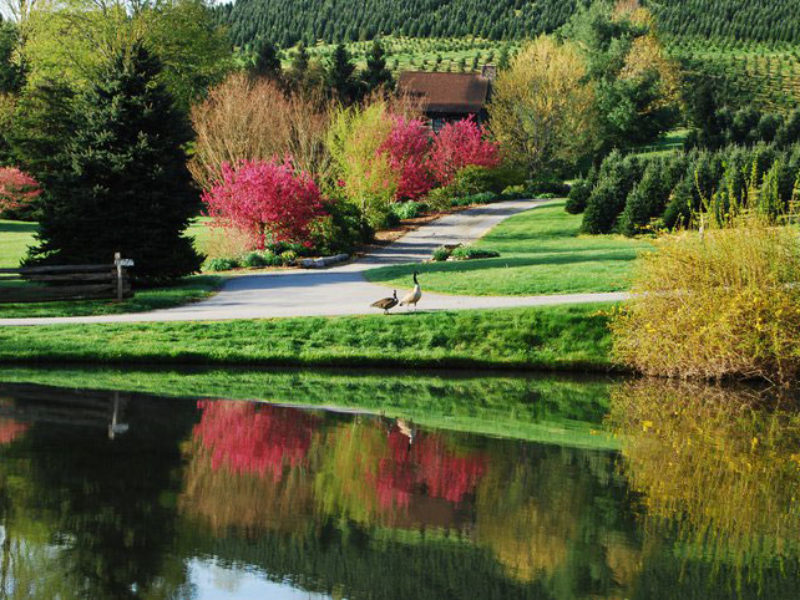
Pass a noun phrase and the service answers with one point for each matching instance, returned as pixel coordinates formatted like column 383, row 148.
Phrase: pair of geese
column 411, row 298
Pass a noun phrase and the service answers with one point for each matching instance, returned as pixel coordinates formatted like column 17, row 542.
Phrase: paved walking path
column 342, row 290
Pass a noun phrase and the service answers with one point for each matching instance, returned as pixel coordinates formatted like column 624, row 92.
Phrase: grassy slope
column 570, row 337
column 15, row 237
column 542, row 408
column 540, row 253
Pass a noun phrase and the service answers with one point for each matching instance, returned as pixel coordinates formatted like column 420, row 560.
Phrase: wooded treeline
column 287, row 22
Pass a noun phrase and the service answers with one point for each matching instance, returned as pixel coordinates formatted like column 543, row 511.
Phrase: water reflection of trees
column 543, row 515
column 718, row 470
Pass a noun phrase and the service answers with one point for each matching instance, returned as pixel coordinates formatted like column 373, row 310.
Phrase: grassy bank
column 542, row 408
column 557, row 338
column 541, row 252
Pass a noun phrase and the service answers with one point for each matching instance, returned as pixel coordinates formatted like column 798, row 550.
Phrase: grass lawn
column 555, row 338
column 15, row 237
column 541, row 252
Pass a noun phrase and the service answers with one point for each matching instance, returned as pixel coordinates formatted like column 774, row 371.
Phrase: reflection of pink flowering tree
column 459, row 145
column 264, row 199
column 428, row 463
column 407, row 147
column 11, row 430
column 245, row 438
column 17, row 189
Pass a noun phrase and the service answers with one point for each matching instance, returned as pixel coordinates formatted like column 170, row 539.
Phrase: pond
column 290, row 484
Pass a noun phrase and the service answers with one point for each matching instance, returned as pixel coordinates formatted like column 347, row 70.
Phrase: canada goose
column 386, row 303
column 413, row 296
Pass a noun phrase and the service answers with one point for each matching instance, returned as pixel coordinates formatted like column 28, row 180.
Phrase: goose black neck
column 415, row 279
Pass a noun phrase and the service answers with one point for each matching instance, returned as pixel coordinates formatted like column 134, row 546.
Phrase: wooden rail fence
column 68, row 282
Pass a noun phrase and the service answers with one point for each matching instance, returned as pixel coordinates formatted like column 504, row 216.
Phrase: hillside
column 286, row 22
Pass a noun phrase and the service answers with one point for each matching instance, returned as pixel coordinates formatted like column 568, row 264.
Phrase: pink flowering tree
column 407, row 147
column 267, row 200
column 459, row 145
column 17, row 189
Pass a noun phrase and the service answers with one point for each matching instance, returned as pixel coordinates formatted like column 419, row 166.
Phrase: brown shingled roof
column 446, row 92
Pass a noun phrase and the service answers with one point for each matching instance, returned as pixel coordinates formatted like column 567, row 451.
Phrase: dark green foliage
column 222, row 264
column 44, row 123
column 343, row 229
column 124, row 186
column 340, row 78
column 647, row 200
column 12, row 75
column 376, row 75
column 332, row 21
column 669, row 191
column 476, row 179
column 615, row 180
column 747, row 126
column 578, row 196
column 267, row 63
column 472, row 253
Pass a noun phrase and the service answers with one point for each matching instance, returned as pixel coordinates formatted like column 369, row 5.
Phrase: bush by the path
column 723, row 303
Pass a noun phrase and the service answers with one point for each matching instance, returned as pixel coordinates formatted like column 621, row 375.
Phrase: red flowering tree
column 459, row 145
column 265, row 200
column 407, row 147
column 17, row 189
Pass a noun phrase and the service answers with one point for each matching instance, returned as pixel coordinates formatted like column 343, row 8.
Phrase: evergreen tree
column 339, row 76
column 125, row 186
column 376, row 74
column 299, row 66
column 267, row 63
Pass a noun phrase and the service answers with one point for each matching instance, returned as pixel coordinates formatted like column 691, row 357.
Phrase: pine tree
column 339, row 75
column 267, row 63
column 376, row 74
column 125, row 186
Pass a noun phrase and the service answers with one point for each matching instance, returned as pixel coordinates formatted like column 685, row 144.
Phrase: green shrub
column 409, row 209
column 578, row 197
column 253, row 260
column 342, row 230
column 441, row 254
column 471, row 252
column 440, row 198
column 482, row 198
column 556, row 187
column 606, row 202
column 475, row 179
column 647, row 200
column 222, row 264
column 288, row 257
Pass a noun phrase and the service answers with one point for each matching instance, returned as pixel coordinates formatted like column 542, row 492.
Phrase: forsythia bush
column 269, row 201
column 723, row 303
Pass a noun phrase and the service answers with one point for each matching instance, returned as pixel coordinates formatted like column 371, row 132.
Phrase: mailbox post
column 121, row 264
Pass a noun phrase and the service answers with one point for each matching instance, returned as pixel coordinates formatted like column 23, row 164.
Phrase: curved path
column 342, row 290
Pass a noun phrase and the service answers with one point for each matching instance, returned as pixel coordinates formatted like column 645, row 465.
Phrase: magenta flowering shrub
column 17, row 189
column 267, row 200
column 407, row 147
column 459, row 145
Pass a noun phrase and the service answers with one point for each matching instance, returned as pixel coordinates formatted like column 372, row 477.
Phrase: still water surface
column 496, row 488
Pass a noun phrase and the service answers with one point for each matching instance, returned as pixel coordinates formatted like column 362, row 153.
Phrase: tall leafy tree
column 376, row 75
column 125, row 186
column 11, row 73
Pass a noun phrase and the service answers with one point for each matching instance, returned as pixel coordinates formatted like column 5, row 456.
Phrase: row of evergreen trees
column 288, row 22
column 636, row 194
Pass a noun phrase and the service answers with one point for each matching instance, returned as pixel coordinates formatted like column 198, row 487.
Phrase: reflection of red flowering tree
column 11, row 430
column 428, row 463
column 260, row 439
